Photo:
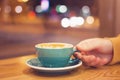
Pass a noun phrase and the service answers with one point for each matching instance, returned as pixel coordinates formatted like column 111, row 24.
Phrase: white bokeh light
column 65, row 22
column 44, row 5
column 18, row 9
column 80, row 21
column 63, row 8
column 73, row 22
column 38, row 9
column 76, row 21
column 85, row 9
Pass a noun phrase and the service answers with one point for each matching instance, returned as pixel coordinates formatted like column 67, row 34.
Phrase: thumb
column 88, row 45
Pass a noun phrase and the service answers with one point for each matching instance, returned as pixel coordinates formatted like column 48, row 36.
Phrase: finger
column 78, row 55
column 99, row 62
column 96, row 63
column 88, row 59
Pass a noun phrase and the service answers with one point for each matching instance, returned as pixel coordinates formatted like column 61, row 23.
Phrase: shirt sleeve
column 116, row 49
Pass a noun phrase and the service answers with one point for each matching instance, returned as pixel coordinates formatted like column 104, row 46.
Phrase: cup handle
column 75, row 60
column 75, row 50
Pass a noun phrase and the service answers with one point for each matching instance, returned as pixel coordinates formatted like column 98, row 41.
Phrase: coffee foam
column 54, row 45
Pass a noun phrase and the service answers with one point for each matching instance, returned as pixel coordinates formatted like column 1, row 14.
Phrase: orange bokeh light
column 31, row 15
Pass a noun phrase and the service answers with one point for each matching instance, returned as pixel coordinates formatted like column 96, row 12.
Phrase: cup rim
column 67, row 45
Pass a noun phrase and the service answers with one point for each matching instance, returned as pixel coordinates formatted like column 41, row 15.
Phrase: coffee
column 54, row 45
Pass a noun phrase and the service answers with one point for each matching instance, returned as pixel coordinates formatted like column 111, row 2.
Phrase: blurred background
column 24, row 23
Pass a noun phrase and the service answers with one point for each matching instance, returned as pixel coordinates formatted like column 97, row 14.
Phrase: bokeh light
column 90, row 20
column 18, row 9
column 76, row 21
column 61, row 8
column 38, row 9
column 22, row 0
column 44, row 5
column 31, row 14
column 7, row 9
column 73, row 22
column 80, row 21
column 65, row 22
column 86, row 9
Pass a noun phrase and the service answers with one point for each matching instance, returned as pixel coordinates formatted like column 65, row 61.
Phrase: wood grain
column 16, row 69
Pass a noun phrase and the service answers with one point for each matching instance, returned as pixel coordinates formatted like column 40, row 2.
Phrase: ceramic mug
column 54, row 54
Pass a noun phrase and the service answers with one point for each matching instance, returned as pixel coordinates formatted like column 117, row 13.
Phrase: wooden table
column 16, row 69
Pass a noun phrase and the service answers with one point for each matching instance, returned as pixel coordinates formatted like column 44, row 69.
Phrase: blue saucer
column 35, row 64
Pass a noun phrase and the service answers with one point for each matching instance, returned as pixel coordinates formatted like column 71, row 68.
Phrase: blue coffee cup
column 54, row 54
